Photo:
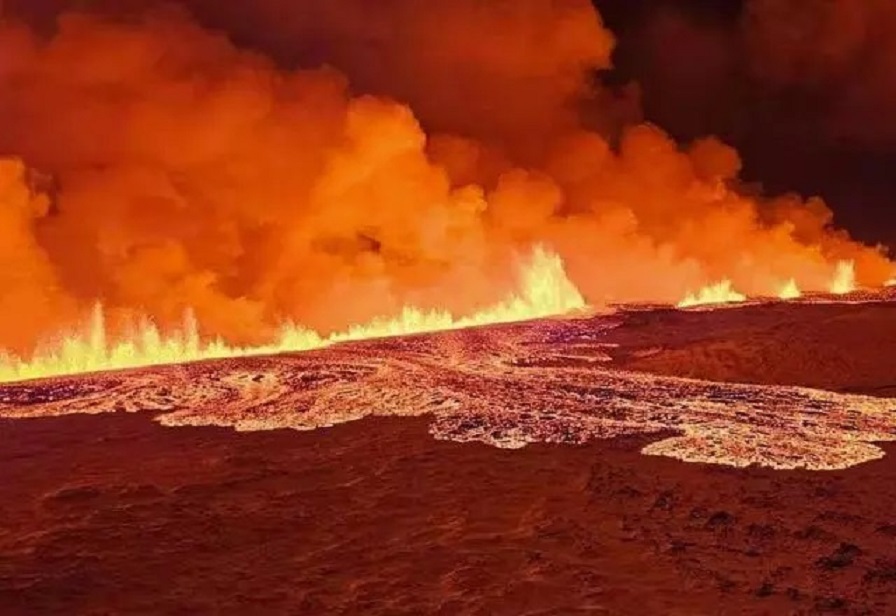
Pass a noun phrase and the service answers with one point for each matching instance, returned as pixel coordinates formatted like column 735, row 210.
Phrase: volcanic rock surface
column 113, row 513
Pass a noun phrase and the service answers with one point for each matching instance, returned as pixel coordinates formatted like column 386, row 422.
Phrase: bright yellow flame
column 844, row 278
column 790, row 290
column 721, row 293
column 891, row 282
column 545, row 291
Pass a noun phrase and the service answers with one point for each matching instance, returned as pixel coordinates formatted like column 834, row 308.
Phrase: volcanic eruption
column 158, row 163
column 342, row 306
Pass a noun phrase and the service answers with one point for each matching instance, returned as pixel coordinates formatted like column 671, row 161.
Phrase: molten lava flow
column 503, row 386
column 790, row 290
column 545, row 291
column 844, row 278
column 721, row 293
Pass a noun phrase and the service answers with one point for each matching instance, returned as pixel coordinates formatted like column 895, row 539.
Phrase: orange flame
column 720, row 293
column 844, row 278
column 790, row 290
column 252, row 193
column 545, row 291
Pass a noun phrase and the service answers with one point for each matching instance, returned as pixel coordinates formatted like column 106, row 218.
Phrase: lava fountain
column 844, row 278
column 544, row 291
column 720, row 293
column 790, row 290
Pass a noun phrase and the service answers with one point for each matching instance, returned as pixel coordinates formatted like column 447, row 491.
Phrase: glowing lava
column 790, row 290
column 549, row 381
column 721, row 293
column 545, row 291
column 844, row 278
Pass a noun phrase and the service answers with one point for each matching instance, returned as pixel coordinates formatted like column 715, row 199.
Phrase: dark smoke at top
column 803, row 88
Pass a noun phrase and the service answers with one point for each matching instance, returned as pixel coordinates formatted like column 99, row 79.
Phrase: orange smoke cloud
column 154, row 165
column 504, row 71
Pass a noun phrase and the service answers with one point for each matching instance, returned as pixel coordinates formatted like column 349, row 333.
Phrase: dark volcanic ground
column 115, row 513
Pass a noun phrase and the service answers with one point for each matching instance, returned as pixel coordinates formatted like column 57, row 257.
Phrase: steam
column 153, row 164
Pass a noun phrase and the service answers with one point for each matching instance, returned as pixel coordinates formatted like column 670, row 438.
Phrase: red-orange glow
column 721, row 293
column 844, row 278
column 544, row 291
column 790, row 290
column 155, row 167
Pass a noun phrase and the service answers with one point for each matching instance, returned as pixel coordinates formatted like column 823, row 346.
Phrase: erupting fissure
column 165, row 161
column 844, row 278
column 790, row 290
column 544, row 291
column 721, row 293
column 843, row 282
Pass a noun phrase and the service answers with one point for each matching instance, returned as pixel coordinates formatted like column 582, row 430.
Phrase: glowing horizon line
column 544, row 291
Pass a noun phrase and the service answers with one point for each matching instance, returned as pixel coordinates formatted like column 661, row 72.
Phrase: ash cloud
column 257, row 162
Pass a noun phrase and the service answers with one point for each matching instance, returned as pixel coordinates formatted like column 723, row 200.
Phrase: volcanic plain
column 646, row 460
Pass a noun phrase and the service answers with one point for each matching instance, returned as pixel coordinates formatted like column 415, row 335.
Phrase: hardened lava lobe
column 507, row 386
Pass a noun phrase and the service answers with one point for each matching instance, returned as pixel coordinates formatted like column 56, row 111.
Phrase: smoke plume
column 324, row 163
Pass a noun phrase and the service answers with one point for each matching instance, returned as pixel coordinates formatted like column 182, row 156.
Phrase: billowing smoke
column 803, row 88
column 360, row 164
